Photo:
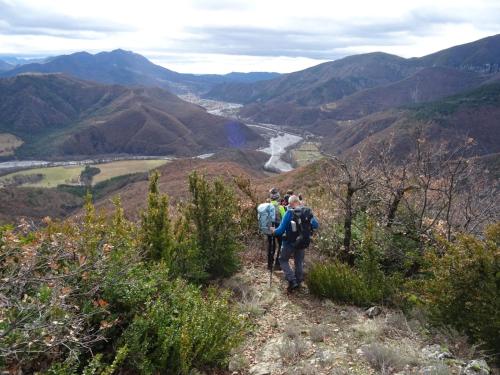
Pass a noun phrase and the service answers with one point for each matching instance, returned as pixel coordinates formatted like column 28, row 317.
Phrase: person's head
column 294, row 201
column 274, row 194
column 289, row 192
column 285, row 198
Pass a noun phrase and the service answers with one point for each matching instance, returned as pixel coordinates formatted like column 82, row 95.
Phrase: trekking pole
column 272, row 268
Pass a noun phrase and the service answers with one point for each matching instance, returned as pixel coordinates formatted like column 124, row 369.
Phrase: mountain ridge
column 129, row 68
column 296, row 98
column 446, row 122
column 59, row 115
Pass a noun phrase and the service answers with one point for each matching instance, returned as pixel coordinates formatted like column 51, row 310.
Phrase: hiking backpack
column 266, row 214
column 277, row 213
column 301, row 237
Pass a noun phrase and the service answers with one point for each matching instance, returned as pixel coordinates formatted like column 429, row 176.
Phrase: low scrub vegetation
column 96, row 296
column 423, row 235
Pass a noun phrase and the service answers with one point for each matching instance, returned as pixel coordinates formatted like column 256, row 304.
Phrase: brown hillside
column 57, row 115
column 174, row 182
column 35, row 204
column 425, row 86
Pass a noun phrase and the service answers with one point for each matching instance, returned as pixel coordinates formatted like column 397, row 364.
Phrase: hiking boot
column 292, row 286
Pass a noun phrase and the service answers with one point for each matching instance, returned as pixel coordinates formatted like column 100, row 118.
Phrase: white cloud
column 228, row 35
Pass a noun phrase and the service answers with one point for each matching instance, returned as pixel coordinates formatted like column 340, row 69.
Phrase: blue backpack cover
column 266, row 214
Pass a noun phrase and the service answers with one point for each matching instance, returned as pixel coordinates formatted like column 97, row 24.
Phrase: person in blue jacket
column 295, row 277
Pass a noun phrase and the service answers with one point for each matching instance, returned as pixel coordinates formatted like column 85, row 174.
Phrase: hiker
column 297, row 225
column 302, row 202
column 288, row 194
column 272, row 239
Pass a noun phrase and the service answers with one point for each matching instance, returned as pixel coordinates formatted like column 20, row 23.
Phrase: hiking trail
column 298, row 334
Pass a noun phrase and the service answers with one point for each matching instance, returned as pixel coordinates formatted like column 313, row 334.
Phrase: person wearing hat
column 292, row 249
column 273, row 240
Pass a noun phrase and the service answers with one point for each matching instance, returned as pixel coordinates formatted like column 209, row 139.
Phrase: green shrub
column 88, row 174
column 175, row 245
column 213, row 210
column 340, row 282
column 95, row 366
column 186, row 260
column 369, row 266
column 364, row 284
column 329, row 240
column 248, row 223
column 464, row 288
column 181, row 331
column 75, row 292
column 155, row 226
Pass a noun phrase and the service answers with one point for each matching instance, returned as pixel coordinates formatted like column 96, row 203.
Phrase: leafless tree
column 395, row 179
column 354, row 176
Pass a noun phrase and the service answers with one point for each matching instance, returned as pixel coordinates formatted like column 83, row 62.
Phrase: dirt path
column 298, row 334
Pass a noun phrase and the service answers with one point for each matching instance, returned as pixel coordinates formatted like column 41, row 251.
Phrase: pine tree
column 213, row 210
column 155, row 227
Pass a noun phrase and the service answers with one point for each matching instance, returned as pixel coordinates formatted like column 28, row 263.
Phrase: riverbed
column 279, row 141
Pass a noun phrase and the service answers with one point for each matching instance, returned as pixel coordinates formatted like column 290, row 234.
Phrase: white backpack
column 266, row 214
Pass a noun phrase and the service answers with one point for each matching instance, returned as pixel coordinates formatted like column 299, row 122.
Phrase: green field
column 51, row 177
column 307, row 153
column 70, row 175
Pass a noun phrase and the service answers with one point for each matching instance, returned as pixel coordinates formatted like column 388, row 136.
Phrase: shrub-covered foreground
column 412, row 234
column 456, row 283
column 101, row 295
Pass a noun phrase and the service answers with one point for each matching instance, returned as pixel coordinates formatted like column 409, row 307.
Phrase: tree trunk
column 347, row 254
column 394, row 207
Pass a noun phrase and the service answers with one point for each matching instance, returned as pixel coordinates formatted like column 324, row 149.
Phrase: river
column 279, row 140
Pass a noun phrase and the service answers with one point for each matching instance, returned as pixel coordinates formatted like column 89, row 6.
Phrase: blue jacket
column 285, row 225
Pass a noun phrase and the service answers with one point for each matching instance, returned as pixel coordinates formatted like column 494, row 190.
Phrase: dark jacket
column 286, row 226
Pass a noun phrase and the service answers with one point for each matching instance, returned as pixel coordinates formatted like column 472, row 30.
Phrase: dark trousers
column 287, row 252
column 271, row 249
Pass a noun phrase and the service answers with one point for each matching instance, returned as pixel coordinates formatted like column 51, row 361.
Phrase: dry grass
column 291, row 349
column 307, row 153
column 383, row 358
column 122, row 167
column 247, row 300
column 8, row 144
column 238, row 363
column 306, row 369
column 370, row 330
column 386, row 358
column 318, row 333
column 291, row 332
column 458, row 344
column 396, row 322
column 438, row 369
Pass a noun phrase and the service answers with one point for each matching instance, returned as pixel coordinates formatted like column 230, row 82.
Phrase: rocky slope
column 299, row 334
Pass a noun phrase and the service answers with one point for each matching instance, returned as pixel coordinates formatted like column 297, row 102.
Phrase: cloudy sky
column 219, row 36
